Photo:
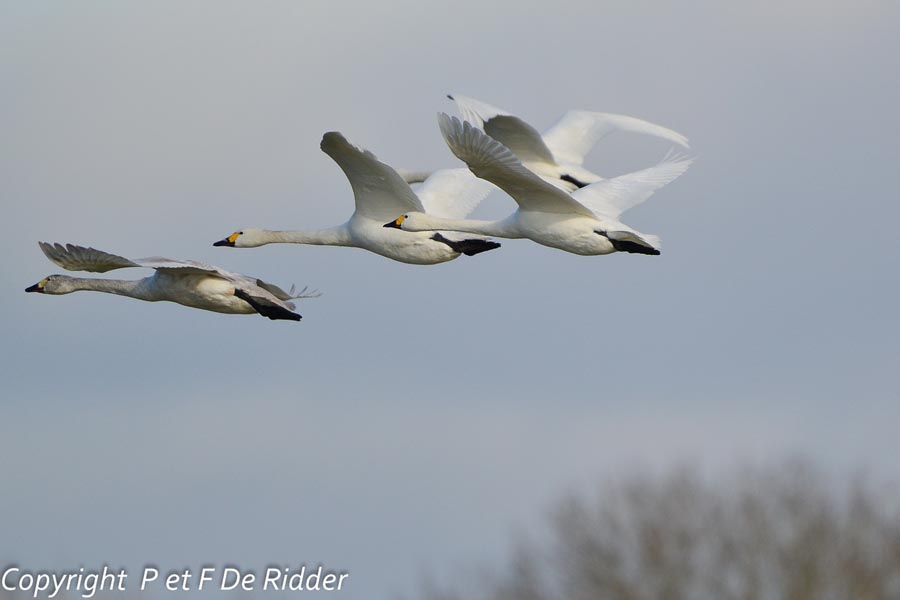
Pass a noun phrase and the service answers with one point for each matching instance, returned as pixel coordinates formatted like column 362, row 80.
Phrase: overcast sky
column 419, row 415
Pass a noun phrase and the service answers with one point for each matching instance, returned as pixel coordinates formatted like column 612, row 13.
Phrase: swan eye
column 400, row 219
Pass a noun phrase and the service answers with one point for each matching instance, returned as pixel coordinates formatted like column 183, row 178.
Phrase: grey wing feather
column 79, row 258
column 524, row 140
column 489, row 159
column 186, row 267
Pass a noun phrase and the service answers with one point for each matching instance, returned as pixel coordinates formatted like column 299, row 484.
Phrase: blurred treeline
column 785, row 533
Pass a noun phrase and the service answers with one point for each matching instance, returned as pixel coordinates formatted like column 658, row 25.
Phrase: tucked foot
column 266, row 307
column 468, row 247
column 629, row 245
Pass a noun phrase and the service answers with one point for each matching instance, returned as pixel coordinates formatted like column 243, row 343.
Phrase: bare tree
column 773, row 534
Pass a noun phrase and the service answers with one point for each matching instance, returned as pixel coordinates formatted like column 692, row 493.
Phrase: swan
column 380, row 194
column 558, row 154
column 585, row 222
column 186, row 282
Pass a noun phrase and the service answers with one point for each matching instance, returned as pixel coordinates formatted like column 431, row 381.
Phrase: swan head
column 53, row 284
column 244, row 238
column 411, row 221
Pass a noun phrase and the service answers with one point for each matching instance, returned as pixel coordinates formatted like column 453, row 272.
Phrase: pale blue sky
column 418, row 415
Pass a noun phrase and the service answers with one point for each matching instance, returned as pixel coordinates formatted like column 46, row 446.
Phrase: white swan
column 382, row 194
column 186, row 282
column 585, row 222
column 558, row 154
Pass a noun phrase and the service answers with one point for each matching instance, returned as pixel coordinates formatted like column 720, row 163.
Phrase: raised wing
column 524, row 140
column 453, row 193
column 576, row 133
column 79, row 258
column 380, row 192
column 491, row 160
column 611, row 197
column 475, row 111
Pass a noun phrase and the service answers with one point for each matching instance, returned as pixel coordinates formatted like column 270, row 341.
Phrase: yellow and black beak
column 38, row 287
column 396, row 222
column 229, row 241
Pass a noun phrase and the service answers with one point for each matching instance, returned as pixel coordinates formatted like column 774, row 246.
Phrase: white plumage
column 585, row 222
column 185, row 282
column 557, row 154
column 381, row 193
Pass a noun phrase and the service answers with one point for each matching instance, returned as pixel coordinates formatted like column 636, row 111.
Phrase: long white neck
column 505, row 228
column 334, row 236
column 133, row 288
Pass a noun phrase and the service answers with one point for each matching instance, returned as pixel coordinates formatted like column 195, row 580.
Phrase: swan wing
column 611, row 197
column 246, row 282
column 380, row 192
column 79, row 258
column 188, row 267
column 491, row 160
column 524, row 140
column 453, row 193
column 266, row 298
column 576, row 133
column 475, row 111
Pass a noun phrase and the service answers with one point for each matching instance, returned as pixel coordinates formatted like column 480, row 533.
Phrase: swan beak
column 38, row 287
column 229, row 241
column 395, row 223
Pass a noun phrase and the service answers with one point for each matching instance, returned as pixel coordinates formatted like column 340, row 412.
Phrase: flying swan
column 186, row 282
column 381, row 194
column 558, row 154
column 585, row 222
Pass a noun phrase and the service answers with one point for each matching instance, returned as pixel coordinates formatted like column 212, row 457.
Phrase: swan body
column 585, row 222
column 188, row 283
column 572, row 233
column 558, row 154
column 381, row 193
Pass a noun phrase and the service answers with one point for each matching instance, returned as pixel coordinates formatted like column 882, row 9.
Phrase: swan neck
column 489, row 228
column 133, row 288
column 335, row 236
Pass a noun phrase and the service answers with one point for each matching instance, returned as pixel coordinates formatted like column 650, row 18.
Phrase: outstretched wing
column 491, row 160
column 576, row 133
column 186, row 267
column 79, row 258
column 453, row 193
column 380, row 192
column 524, row 140
column 611, row 197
